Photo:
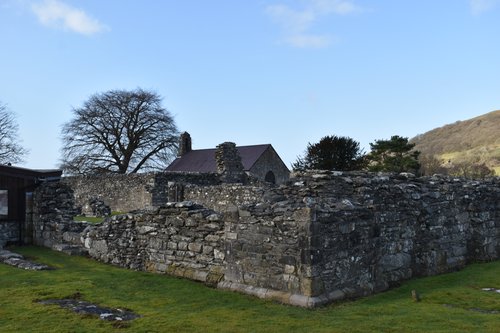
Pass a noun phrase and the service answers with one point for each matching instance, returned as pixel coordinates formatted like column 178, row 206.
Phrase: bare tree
column 10, row 149
column 430, row 165
column 119, row 131
column 471, row 170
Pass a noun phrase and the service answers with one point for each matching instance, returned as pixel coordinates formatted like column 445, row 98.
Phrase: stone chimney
column 184, row 144
column 229, row 164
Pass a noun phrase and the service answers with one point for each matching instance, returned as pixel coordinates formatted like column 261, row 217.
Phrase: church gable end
column 268, row 166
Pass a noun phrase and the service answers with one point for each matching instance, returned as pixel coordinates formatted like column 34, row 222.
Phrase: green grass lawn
column 168, row 304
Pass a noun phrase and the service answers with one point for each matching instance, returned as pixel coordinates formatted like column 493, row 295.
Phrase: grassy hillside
column 476, row 140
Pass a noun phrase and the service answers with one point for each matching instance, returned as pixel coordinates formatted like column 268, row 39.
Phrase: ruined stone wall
column 180, row 239
column 122, row 193
column 9, row 232
column 331, row 235
column 322, row 236
column 267, row 246
column 125, row 193
column 373, row 231
column 53, row 225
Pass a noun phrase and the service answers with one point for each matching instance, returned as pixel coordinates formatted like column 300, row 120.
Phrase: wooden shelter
column 16, row 201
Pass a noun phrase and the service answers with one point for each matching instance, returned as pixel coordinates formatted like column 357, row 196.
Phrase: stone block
column 100, row 246
column 214, row 217
column 244, row 213
column 215, row 275
column 231, row 235
column 198, row 275
column 145, row 229
column 219, row 254
column 212, row 238
column 393, row 262
column 208, row 250
column 191, row 222
column 212, row 226
column 311, row 286
column 172, row 245
column 299, row 300
column 195, row 247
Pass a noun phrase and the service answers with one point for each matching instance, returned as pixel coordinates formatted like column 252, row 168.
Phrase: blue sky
column 285, row 72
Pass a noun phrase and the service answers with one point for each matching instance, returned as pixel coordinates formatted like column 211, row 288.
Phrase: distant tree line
column 122, row 131
column 396, row 154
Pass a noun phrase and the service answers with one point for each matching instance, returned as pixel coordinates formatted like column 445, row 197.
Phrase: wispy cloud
column 57, row 14
column 341, row 7
column 297, row 23
column 480, row 6
column 308, row 41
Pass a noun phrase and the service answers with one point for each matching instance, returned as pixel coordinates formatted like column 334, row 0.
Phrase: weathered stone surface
column 125, row 193
column 53, row 224
column 228, row 161
column 323, row 236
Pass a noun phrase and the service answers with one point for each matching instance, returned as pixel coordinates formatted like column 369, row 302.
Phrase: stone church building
column 259, row 161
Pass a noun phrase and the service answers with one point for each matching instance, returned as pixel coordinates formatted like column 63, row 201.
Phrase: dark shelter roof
column 203, row 160
column 12, row 171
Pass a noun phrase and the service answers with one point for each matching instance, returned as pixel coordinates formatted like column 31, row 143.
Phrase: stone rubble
column 495, row 290
column 17, row 260
column 96, row 208
column 87, row 308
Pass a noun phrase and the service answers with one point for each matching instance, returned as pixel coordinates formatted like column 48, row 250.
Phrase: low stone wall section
column 180, row 239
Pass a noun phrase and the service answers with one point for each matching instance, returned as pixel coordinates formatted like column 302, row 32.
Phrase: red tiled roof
column 203, row 160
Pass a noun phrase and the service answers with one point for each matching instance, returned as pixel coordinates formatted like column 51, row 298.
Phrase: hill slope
column 476, row 140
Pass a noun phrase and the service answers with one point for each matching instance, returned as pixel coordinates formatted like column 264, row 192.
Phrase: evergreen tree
column 331, row 153
column 394, row 155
